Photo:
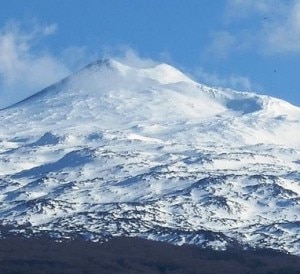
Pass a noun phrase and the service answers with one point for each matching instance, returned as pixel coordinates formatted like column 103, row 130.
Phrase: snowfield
column 116, row 150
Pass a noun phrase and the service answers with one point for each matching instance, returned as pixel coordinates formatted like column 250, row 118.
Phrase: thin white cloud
column 241, row 9
column 265, row 26
column 77, row 57
column 222, row 44
column 50, row 29
column 283, row 36
column 132, row 58
column 233, row 81
column 24, row 71
column 128, row 56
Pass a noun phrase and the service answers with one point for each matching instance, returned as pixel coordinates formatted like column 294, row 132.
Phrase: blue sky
column 250, row 45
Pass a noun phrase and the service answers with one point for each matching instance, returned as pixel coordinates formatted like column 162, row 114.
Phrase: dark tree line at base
column 133, row 255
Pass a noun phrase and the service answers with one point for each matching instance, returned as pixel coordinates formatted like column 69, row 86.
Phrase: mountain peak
column 105, row 63
column 160, row 72
column 117, row 149
column 100, row 63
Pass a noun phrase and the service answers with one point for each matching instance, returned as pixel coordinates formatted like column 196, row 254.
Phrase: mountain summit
column 119, row 150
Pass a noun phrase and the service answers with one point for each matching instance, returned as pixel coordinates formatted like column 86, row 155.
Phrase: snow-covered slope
column 116, row 150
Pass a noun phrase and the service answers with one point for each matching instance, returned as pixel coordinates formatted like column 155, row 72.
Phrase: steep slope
column 116, row 150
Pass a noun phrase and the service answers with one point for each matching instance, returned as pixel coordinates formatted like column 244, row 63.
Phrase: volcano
column 115, row 150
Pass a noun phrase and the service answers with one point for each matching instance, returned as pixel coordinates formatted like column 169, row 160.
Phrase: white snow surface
column 116, row 150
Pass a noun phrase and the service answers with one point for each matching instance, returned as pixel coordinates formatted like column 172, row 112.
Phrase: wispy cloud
column 76, row 57
column 222, row 44
column 127, row 55
column 23, row 70
column 283, row 35
column 264, row 26
column 241, row 9
column 27, row 67
column 233, row 81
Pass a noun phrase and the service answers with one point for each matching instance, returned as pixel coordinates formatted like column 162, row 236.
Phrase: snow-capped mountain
column 117, row 150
